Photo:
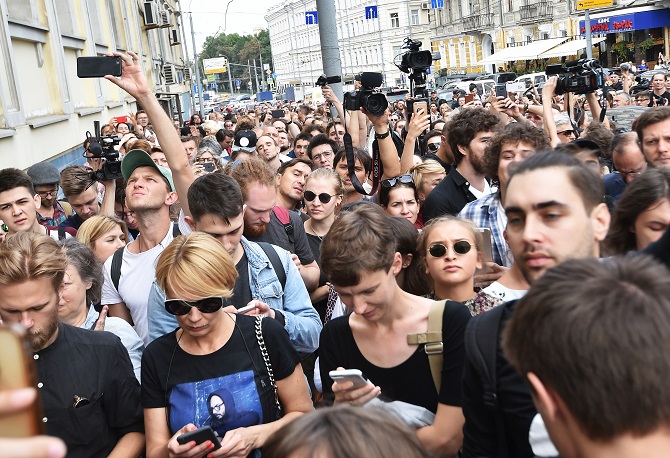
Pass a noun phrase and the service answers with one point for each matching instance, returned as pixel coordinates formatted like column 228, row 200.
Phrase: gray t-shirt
column 276, row 235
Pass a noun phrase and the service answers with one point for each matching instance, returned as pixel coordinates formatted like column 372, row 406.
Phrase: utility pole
column 197, row 67
column 230, row 78
column 330, row 50
column 258, row 87
column 249, row 69
column 260, row 54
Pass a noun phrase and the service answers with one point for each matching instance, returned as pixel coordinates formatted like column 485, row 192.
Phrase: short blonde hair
column 28, row 256
column 97, row 226
column 427, row 166
column 196, row 263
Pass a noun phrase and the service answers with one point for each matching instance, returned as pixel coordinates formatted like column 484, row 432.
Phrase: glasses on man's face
column 568, row 133
column 391, row 182
column 437, row 250
column 642, row 100
column 124, row 215
column 324, row 155
column 228, row 126
column 631, row 174
column 433, row 147
column 323, row 197
column 205, row 159
column 181, row 307
column 45, row 194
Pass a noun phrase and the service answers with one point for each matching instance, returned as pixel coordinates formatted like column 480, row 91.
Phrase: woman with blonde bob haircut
column 232, row 372
column 104, row 234
column 452, row 252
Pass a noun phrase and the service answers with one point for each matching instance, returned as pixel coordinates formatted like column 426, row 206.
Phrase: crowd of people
column 502, row 289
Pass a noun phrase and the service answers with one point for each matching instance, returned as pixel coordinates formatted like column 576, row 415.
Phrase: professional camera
column 104, row 147
column 414, row 59
column 578, row 76
column 323, row 80
column 368, row 96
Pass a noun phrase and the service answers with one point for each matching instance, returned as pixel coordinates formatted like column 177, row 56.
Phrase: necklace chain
column 312, row 227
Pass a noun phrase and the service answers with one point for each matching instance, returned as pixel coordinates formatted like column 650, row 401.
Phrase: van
column 483, row 86
column 499, row 78
column 536, row 78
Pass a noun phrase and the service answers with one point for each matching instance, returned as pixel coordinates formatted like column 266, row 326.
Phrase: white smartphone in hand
column 246, row 308
column 349, row 375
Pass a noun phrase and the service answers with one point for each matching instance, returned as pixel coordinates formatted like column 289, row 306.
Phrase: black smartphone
column 200, row 435
column 98, row 66
column 208, row 166
column 501, row 90
column 278, row 114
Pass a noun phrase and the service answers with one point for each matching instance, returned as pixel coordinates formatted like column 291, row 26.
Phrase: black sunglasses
column 433, row 146
column 437, row 250
column 207, row 305
column 568, row 132
column 323, row 197
column 391, row 182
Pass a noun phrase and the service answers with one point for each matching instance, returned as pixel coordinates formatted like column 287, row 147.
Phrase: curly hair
column 464, row 126
column 515, row 133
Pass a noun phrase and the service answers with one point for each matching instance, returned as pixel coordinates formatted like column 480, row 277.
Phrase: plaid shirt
column 58, row 217
column 487, row 212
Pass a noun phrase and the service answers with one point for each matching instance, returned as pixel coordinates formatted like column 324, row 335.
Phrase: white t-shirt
column 495, row 289
column 138, row 272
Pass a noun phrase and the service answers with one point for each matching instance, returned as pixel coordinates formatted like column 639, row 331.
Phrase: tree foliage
column 238, row 49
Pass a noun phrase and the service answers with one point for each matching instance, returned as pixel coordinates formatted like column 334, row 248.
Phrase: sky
column 209, row 18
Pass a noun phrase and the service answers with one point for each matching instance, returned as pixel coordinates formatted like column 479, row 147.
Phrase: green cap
column 139, row 158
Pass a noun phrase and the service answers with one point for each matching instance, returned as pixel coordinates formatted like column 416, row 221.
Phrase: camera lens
column 376, row 104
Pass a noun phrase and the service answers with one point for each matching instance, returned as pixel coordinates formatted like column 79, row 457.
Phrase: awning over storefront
column 570, row 48
column 637, row 20
column 527, row 52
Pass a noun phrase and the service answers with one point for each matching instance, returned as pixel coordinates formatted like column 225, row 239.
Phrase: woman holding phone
column 452, row 251
column 233, row 373
column 361, row 260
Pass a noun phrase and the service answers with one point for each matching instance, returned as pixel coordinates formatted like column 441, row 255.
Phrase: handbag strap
column 432, row 341
column 266, row 359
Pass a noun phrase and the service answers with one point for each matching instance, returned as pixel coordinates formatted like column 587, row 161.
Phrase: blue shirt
column 301, row 320
column 487, row 212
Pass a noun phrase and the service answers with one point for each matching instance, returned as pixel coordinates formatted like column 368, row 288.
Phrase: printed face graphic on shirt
column 224, row 403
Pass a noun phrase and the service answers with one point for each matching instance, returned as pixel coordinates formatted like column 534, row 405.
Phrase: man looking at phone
column 470, row 132
column 81, row 190
column 221, row 214
column 75, row 367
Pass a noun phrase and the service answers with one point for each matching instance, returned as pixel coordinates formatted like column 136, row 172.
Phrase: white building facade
column 367, row 42
column 45, row 109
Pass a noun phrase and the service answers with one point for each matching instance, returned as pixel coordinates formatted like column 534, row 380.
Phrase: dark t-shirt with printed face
column 226, row 389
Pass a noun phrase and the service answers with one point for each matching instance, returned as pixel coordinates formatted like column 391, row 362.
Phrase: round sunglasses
column 433, row 147
column 323, row 197
column 391, row 182
column 437, row 250
column 206, row 305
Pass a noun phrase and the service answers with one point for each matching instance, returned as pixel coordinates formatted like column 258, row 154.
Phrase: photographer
column 660, row 97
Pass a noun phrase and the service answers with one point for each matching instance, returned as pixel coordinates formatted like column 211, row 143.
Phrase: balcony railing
column 477, row 22
column 534, row 12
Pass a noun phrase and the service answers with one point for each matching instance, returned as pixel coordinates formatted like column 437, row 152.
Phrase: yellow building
column 45, row 109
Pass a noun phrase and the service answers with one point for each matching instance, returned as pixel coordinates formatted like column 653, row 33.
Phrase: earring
column 4, row 227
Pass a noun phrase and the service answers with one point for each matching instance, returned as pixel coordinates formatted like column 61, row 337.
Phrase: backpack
column 284, row 217
column 481, row 345
column 117, row 259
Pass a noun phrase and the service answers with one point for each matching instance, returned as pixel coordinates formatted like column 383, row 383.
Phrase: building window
column 415, row 17
column 395, row 20
column 22, row 10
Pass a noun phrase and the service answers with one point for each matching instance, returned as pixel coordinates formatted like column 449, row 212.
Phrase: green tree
column 238, row 49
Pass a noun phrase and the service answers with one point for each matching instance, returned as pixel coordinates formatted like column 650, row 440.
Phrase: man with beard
column 74, row 366
column 470, row 132
column 261, row 220
column 555, row 211
column 290, row 181
column 45, row 178
column 149, row 194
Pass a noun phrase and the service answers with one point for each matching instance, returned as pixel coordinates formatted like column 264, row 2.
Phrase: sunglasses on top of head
column 391, row 182
column 323, row 197
column 206, row 305
column 437, row 250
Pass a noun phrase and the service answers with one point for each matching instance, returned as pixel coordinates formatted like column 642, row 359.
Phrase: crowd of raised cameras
column 436, row 272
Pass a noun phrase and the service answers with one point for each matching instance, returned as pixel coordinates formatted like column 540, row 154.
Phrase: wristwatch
column 382, row 136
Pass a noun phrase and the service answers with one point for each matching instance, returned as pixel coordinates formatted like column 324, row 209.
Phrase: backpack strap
column 67, row 208
column 434, row 347
column 284, row 217
column 481, row 345
column 275, row 261
column 61, row 233
column 117, row 260
column 176, row 232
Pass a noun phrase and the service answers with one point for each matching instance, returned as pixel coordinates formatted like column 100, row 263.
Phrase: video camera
column 578, row 76
column 323, row 80
column 414, row 59
column 103, row 147
column 368, row 96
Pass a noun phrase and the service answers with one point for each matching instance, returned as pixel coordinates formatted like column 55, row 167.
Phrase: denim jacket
column 301, row 320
